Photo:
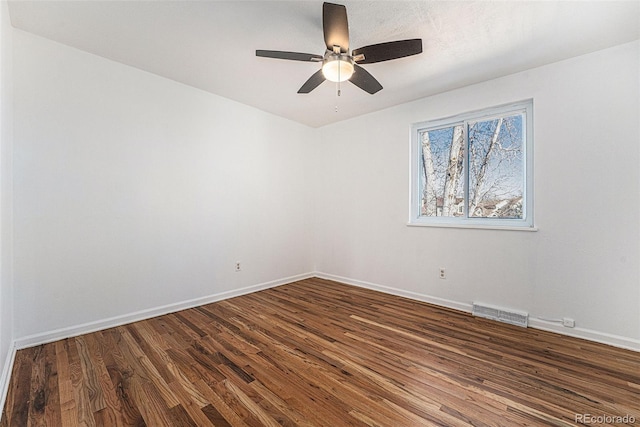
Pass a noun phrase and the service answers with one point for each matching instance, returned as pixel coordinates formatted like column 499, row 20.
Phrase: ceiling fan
column 337, row 64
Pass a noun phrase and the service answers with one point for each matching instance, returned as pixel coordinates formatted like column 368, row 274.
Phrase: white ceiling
column 211, row 44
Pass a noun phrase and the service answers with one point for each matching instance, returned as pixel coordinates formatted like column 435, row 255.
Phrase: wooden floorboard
column 320, row 353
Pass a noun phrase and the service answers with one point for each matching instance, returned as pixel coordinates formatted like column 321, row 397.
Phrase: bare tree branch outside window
column 494, row 180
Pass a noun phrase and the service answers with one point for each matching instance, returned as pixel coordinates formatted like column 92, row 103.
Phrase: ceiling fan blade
column 294, row 56
column 335, row 26
column 388, row 51
column 313, row 82
column 364, row 80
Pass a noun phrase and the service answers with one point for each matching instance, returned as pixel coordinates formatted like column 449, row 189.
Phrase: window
column 474, row 169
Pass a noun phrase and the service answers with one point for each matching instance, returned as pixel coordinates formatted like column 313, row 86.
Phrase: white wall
column 6, row 126
column 133, row 192
column 584, row 260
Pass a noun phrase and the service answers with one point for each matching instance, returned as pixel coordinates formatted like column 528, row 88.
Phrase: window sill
column 476, row 226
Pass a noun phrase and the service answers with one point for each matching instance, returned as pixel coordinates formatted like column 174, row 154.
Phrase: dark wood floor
column 319, row 353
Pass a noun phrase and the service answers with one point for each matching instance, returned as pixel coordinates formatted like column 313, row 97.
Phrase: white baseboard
column 587, row 334
column 72, row 331
column 62, row 333
column 461, row 306
column 5, row 377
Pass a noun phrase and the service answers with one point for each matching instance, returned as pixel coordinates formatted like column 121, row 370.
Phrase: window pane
column 496, row 162
column 441, row 187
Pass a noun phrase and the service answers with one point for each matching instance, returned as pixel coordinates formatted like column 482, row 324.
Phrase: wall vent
column 513, row 317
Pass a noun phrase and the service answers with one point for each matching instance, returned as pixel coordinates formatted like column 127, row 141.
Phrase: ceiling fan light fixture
column 338, row 68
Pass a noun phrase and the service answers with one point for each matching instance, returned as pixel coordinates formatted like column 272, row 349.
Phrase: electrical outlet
column 443, row 273
column 238, row 266
column 568, row 323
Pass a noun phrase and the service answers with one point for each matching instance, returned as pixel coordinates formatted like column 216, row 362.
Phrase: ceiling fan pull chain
column 339, row 76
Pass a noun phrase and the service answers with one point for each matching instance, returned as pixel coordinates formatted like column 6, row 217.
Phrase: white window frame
column 526, row 223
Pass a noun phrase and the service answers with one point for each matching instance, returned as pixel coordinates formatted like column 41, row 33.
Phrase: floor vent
column 518, row 318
